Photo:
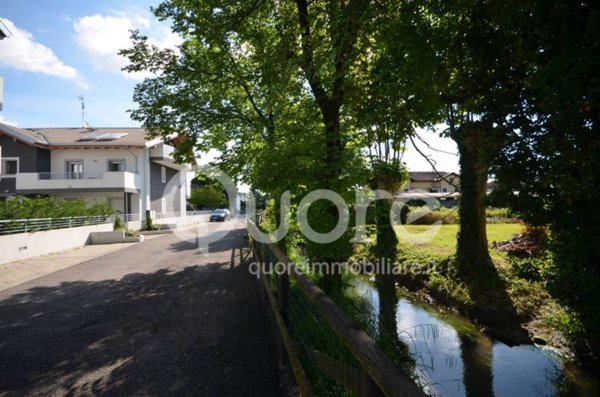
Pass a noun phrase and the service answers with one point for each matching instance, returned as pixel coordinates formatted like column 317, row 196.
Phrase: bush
column 118, row 223
column 450, row 216
column 533, row 268
column 426, row 216
column 21, row 207
column 149, row 223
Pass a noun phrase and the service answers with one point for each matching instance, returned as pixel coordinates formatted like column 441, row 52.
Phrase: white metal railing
column 157, row 215
column 126, row 217
column 68, row 175
column 194, row 213
column 164, row 215
column 13, row 226
column 177, row 214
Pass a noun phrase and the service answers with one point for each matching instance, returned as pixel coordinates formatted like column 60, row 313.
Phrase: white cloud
column 21, row 51
column 4, row 121
column 102, row 36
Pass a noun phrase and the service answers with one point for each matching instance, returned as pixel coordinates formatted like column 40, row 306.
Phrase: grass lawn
column 442, row 239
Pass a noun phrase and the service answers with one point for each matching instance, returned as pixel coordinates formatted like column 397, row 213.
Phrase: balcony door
column 75, row 169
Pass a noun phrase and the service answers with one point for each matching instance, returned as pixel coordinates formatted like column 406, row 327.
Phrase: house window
column 10, row 166
column 444, row 190
column 116, row 165
column 432, row 190
column 163, row 174
column 74, row 169
column 451, row 180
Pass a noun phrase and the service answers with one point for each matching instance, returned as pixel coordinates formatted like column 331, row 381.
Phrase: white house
column 121, row 166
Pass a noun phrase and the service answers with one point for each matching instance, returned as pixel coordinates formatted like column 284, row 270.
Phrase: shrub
column 426, row 216
column 450, row 216
column 535, row 268
column 21, row 207
column 149, row 223
column 118, row 223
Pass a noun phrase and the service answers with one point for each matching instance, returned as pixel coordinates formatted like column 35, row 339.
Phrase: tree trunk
column 475, row 147
column 332, row 281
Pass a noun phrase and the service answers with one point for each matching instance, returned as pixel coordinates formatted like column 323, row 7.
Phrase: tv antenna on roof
column 84, row 123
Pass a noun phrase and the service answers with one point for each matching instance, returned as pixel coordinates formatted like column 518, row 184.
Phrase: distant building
column 441, row 185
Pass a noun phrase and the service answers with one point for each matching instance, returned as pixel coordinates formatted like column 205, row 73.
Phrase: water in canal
column 454, row 359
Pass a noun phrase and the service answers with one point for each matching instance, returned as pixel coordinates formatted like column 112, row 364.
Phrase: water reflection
column 454, row 359
column 476, row 354
column 387, row 325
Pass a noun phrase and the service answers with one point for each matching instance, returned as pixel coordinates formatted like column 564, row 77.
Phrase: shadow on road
column 225, row 239
column 198, row 331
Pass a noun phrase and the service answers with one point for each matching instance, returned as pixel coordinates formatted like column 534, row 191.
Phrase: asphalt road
column 153, row 319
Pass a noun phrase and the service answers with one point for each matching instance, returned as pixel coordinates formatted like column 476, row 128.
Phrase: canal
column 452, row 358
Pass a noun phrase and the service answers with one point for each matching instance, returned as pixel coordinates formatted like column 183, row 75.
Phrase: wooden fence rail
column 377, row 375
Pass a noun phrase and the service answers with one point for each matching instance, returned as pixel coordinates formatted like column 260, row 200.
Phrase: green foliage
column 568, row 323
column 450, row 216
column 118, row 223
column 388, row 174
column 537, row 268
column 131, row 233
column 21, row 207
column 553, row 161
column 209, row 196
column 322, row 218
column 149, row 223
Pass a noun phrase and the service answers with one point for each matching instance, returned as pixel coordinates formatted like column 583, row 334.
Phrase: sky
column 62, row 49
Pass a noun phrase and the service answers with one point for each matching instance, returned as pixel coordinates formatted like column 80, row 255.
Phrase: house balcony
column 47, row 182
column 162, row 151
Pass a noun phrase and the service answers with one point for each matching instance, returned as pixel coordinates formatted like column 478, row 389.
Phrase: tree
column 264, row 83
column 394, row 101
column 476, row 75
column 548, row 173
column 209, row 196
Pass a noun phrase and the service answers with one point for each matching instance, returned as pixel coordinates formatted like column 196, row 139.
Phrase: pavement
column 18, row 272
column 156, row 318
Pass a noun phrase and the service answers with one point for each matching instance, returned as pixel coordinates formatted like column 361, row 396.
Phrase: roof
column 20, row 134
column 92, row 136
column 429, row 176
column 81, row 137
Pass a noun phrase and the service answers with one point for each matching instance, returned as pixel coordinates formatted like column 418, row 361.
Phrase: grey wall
column 43, row 160
column 31, row 159
column 169, row 190
column 7, row 186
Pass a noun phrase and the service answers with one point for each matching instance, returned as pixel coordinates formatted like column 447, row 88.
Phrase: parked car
column 220, row 215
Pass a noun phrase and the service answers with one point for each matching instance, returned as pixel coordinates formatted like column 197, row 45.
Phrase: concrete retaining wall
column 133, row 225
column 107, row 237
column 182, row 221
column 112, row 238
column 14, row 247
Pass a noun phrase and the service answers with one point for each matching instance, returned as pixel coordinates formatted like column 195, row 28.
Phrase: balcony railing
column 68, row 175
column 78, row 180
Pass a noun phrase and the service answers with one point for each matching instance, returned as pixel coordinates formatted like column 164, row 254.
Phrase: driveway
column 153, row 319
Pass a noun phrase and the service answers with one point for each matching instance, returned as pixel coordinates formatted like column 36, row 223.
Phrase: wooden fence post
column 284, row 288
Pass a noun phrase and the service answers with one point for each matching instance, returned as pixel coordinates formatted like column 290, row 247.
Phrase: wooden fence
column 352, row 359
